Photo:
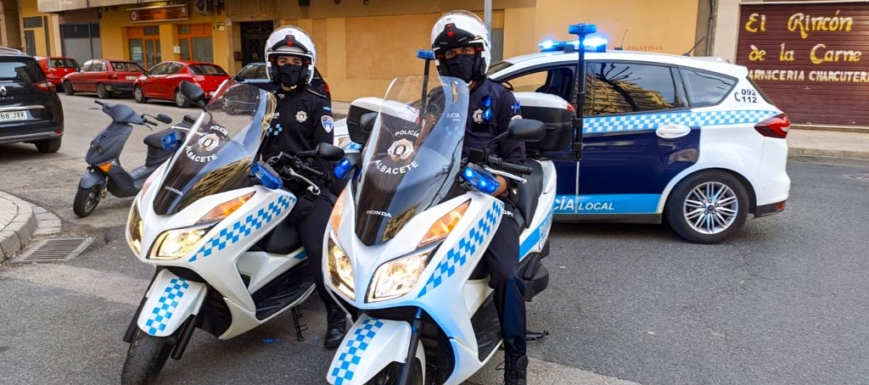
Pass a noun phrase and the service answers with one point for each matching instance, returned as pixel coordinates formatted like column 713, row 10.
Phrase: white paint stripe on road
column 109, row 286
column 543, row 372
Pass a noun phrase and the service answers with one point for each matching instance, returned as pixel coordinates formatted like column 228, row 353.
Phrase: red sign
column 159, row 13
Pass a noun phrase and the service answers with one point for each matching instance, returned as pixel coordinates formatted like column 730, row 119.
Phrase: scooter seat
column 529, row 193
column 155, row 140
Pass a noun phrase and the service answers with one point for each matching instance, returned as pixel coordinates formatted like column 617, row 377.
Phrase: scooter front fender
column 171, row 300
column 91, row 179
column 369, row 346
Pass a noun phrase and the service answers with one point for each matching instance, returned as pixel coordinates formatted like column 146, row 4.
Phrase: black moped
column 105, row 173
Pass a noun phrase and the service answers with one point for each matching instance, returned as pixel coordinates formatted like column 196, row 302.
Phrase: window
column 99, row 66
column 126, row 67
column 248, row 72
column 21, row 69
column 195, row 42
column 556, row 81
column 705, row 88
column 619, row 88
column 160, row 69
column 203, row 69
column 173, row 68
column 62, row 63
column 87, row 66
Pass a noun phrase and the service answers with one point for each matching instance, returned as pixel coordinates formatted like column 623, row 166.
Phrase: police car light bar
column 592, row 44
column 425, row 54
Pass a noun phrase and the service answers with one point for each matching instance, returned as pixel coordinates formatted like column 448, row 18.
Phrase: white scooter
column 205, row 220
column 409, row 231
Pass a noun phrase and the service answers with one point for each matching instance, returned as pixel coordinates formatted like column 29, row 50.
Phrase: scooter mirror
column 366, row 121
column 329, row 152
column 526, row 130
column 163, row 118
column 192, row 92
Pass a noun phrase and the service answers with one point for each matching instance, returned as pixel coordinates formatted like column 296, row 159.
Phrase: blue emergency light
column 342, row 168
column 593, row 43
column 483, row 181
column 425, row 54
column 170, row 140
column 266, row 177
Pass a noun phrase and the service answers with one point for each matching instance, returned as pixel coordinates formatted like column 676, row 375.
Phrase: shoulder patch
column 315, row 92
column 327, row 122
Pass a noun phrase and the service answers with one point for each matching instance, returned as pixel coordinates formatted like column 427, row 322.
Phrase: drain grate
column 859, row 177
column 55, row 250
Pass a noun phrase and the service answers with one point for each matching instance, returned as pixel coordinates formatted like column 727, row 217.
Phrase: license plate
column 12, row 116
column 131, row 78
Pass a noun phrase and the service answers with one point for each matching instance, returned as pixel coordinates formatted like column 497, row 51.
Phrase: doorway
column 145, row 46
column 253, row 40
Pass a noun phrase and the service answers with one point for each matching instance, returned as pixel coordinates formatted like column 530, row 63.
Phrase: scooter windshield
column 217, row 154
column 412, row 158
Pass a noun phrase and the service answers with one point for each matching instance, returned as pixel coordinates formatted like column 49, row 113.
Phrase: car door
column 171, row 80
column 97, row 75
column 637, row 137
column 80, row 78
column 151, row 83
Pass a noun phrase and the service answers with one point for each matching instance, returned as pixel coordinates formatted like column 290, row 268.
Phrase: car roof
column 713, row 64
column 6, row 51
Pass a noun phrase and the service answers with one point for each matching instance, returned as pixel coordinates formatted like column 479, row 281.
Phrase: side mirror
column 526, row 130
column 193, row 93
column 366, row 121
column 329, row 152
column 163, row 118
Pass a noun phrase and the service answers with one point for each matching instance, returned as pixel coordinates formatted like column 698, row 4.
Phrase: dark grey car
column 30, row 110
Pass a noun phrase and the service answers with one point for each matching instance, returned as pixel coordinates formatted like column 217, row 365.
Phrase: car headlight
column 398, row 277
column 174, row 244
column 135, row 228
column 340, row 270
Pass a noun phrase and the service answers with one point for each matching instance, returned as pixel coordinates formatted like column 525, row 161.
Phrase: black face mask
column 291, row 75
column 462, row 67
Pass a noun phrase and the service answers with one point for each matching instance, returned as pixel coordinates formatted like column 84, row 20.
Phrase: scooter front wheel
column 86, row 200
column 145, row 358
column 391, row 373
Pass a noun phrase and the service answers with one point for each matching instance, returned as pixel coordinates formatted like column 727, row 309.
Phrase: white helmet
column 458, row 29
column 290, row 40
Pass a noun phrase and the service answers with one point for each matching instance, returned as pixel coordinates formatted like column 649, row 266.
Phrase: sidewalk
column 20, row 221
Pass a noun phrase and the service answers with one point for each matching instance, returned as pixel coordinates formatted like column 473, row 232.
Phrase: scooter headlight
column 174, row 244
column 340, row 270
column 135, row 228
column 398, row 277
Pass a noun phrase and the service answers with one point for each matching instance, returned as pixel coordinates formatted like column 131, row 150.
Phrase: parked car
column 56, row 67
column 103, row 76
column 30, row 110
column 162, row 81
column 255, row 75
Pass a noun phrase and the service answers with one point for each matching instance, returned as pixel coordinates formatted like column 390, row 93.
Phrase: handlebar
column 311, row 171
column 499, row 164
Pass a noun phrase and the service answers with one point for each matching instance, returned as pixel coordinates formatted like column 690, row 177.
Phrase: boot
column 337, row 326
column 516, row 371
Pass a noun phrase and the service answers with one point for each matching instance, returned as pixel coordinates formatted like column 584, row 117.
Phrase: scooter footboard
column 369, row 346
column 171, row 300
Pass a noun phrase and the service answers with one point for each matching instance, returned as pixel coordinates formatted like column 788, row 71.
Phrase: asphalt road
column 784, row 302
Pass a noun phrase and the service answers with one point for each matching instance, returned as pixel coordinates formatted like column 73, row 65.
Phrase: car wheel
column 181, row 100
column 48, row 146
column 139, row 95
column 708, row 207
column 102, row 92
column 67, row 88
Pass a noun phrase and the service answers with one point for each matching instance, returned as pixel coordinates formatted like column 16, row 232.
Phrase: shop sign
column 809, row 58
column 159, row 13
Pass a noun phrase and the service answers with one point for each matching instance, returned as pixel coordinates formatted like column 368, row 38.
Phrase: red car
column 56, row 67
column 103, row 76
column 162, row 81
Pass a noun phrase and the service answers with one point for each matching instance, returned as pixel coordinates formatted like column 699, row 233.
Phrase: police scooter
column 105, row 173
column 212, row 222
column 409, row 231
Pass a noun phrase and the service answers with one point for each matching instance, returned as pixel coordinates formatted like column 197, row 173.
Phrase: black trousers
column 311, row 214
column 501, row 259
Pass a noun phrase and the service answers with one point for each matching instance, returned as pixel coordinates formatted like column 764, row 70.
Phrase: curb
column 16, row 234
column 828, row 153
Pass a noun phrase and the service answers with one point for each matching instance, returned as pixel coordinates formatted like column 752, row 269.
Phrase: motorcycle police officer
column 460, row 43
column 303, row 119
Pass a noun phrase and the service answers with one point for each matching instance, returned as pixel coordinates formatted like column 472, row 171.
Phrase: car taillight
column 774, row 127
column 45, row 86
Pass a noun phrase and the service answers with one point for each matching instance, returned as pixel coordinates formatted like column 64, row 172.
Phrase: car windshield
column 219, row 149
column 20, row 69
column 121, row 66
column 413, row 155
column 62, row 63
column 206, row 69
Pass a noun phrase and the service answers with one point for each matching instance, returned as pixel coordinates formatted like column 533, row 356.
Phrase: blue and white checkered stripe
column 641, row 122
column 167, row 304
column 243, row 227
column 458, row 255
column 351, row 353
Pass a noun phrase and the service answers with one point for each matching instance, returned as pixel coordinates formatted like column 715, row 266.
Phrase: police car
column 692, row 141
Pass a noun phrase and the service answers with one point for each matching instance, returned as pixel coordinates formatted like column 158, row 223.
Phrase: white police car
column 690, row 140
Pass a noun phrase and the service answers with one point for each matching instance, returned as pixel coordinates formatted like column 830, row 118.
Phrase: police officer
column 303, row 119
column 460, row 43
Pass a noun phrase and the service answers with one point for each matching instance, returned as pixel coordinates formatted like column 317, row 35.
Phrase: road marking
column 114, row 287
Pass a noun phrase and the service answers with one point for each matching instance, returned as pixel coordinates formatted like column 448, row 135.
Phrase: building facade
column 362, row 44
